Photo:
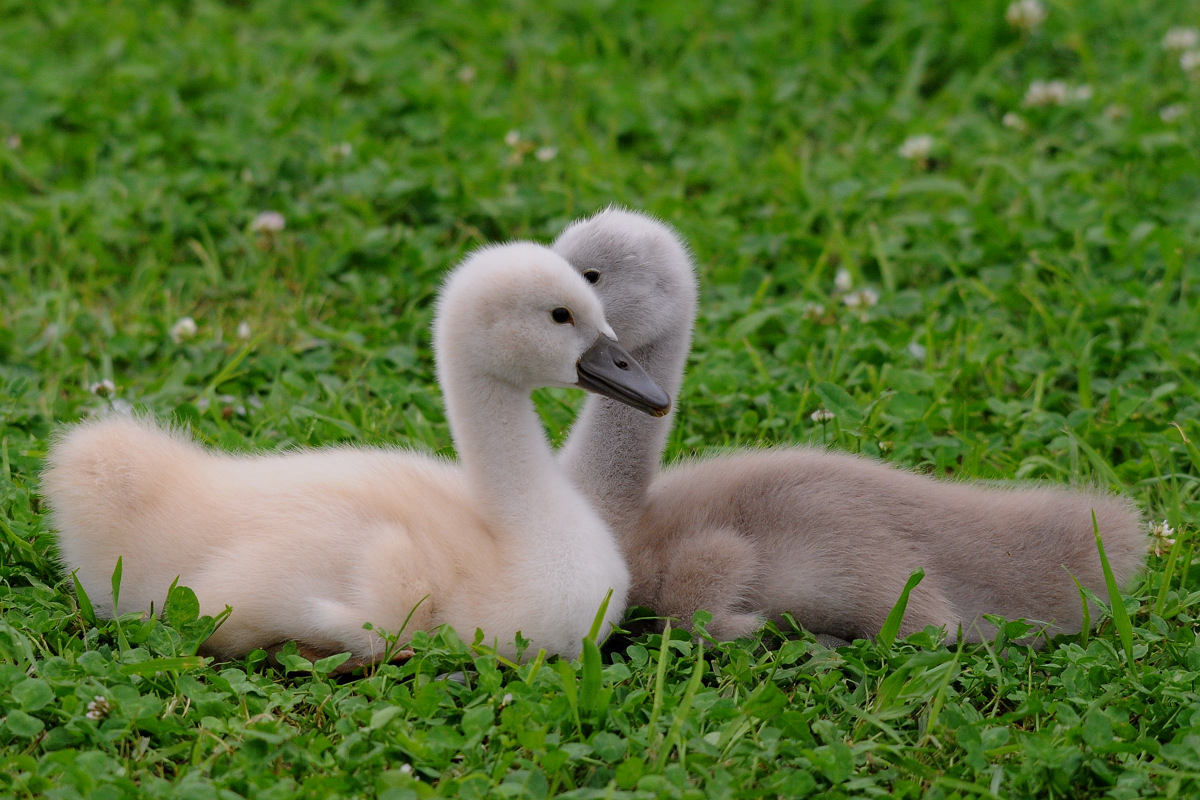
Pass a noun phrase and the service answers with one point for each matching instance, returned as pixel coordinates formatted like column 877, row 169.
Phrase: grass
column 1037, row 319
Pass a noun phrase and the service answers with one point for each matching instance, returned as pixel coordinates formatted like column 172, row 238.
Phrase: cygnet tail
column 1055, row 533
column 103, row 480
column 1072, row 533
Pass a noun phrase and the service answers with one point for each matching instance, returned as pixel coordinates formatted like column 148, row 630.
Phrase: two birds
column 309, row 546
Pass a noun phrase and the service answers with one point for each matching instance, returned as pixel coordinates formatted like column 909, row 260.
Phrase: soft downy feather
column 309, row 545
column 828, row 538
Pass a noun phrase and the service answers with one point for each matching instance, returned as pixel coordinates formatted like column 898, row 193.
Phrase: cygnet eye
column 562, row 316
column 591, row 275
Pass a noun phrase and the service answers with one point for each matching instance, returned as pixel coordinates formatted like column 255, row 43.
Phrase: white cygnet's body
column 310, row 545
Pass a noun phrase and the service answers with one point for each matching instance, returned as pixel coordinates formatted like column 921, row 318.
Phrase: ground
column 970, row 236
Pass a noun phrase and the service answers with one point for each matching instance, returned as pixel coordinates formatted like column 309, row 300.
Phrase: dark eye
column 591, row 275
column 562, row 316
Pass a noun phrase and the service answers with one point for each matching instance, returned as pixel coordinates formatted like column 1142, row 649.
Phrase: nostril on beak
column 622, row 364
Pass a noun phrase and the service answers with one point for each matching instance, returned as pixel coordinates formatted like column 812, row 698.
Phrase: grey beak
column 605, row 368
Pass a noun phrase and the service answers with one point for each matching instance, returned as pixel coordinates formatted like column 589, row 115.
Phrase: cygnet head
column 641, row 270
column 518, row 314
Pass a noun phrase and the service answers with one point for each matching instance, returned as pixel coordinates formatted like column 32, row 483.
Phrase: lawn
column 1014, row 297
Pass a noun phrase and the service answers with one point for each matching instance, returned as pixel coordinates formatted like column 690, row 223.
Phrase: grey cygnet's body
column 829, row 538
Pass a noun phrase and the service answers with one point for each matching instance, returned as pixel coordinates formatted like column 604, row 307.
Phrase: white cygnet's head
column 518, row 314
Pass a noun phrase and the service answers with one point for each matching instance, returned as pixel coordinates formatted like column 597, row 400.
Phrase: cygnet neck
column 613, row 451
column 504, row 452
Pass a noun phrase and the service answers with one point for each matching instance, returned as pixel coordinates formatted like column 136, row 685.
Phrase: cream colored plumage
column 309, row 545
column 829, row 538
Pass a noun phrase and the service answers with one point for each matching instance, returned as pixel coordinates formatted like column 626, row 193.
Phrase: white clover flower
column 813, row 312
column 406, row 769
column 1115, row 112
column 13, row 141
column 917, row 148
column 1172, row 112
column 98, row 708
column 822, row 415
column 342, row 150
column 1014, row 121
column 546, row 153
column 862, row 298
column 1181, row 39
column 1047, row 93
column 917, row 350
column 1056, row 93
column 466, row 73
column 268, row 222
column 508, row 698
column 104, row 388
column 184, row 329
column 1026, row 15
column 243, row 330
column 1162, row 537
column 1190, row 61
column 512, row 138
column 842, row 281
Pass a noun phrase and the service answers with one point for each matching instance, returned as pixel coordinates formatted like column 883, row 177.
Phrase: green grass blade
column 590, row 680
column 1099, row 463
column 1192, row 451
column 891, row 625
column 122, row 642
column 1119, row 613
column 598, row 620
column 1168, row 574
column 566, row 673
column 530, row 672
column 673, row 738
column 154, row 665
column 228, row 370
column 116, row 585
column 85, row 602
column 1085, row 631
column 660, row 678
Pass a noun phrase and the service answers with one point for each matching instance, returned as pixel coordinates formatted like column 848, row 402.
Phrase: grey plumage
column 830, row 538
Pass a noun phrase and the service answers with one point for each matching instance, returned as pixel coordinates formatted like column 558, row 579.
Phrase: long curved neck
column 613, row 451
column 508, row 462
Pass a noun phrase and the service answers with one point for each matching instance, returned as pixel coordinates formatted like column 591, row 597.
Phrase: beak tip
column 660, row 408
column 605, row 368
